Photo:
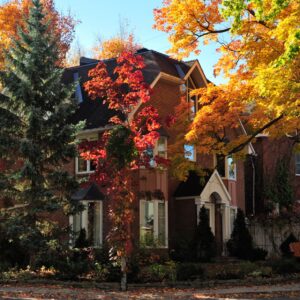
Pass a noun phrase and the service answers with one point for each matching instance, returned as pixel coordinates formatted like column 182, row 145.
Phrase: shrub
column 27, row 273
column 189, row 271
column 81, row 241
column 4, row 266
column 184, row 250
column 11, row 252
column 234, row 270
column 158, row 272
column 205, row 240
column 261, row 272
column 100, row 272
column 285, row 246
column 240, row 244
column 285, row 266
column 70, row 263
column 258, row 254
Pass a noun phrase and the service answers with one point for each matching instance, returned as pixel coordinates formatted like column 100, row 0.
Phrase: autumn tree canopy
column 124, row 40
column 14, row 12
column 260, row 46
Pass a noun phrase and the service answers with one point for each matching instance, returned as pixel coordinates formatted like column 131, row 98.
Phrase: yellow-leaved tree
column 124, row 40
column 260, row 46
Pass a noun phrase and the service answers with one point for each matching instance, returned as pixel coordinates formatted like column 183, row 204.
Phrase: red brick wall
column 270, row 151
column 185, row 222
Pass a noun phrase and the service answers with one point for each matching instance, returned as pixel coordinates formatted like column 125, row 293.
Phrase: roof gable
column 203, row 187
column 215, row 184
column 157, row 66
column 193, row 186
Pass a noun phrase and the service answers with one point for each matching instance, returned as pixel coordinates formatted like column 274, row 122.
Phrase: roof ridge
column 78, row 67
column 168, row 56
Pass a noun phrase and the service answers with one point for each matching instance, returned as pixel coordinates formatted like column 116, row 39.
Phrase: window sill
column 231, row 179
column 226, row 178
column 93, row 247
column 84, row 173
column 158, row 247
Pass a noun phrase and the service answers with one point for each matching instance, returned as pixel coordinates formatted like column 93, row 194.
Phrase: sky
column 101, row 18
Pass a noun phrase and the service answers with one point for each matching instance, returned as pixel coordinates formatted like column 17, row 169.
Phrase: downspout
column 253, row 185
column 253, row 167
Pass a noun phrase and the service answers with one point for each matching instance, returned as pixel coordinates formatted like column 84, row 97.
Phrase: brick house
column 262, row 169
column 166, row 209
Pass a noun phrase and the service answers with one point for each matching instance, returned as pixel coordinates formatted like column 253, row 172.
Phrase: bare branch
column 254, row 134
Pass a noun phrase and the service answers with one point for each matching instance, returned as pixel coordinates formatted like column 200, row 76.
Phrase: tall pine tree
column 36, row 140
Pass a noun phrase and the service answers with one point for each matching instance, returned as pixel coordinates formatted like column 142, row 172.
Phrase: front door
column 219, row 228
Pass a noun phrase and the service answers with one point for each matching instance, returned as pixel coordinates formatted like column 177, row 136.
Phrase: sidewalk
column 34, row 292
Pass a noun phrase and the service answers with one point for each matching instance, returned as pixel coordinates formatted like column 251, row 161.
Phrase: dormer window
column 78, row 92
column 183, row 89
column 192, row 100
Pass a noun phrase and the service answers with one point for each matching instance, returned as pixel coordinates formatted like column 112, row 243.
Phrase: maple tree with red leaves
column 124, row 147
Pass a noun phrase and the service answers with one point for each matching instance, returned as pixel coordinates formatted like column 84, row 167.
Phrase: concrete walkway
column 34, row 292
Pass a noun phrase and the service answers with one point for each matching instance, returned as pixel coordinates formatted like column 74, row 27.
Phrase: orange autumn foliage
column 259, row 43
column 113, row 47
column 12, row 14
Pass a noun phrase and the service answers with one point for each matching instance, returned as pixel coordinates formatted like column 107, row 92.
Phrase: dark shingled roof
column 92, row 192
column 95, row 113
column 194, row 185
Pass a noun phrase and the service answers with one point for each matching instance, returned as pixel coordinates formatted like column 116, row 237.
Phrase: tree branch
column 254, row 134
column 252, row 13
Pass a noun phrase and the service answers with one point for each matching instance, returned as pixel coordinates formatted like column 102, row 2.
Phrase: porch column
column 226, row 223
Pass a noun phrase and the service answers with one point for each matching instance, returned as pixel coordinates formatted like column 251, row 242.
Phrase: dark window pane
column 221, row 165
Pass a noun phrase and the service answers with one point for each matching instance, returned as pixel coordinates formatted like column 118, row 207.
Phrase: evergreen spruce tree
column 36, row 140
column 206, row 247
column 240, row 244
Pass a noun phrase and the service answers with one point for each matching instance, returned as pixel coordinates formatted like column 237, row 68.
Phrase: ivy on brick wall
column 279, row 189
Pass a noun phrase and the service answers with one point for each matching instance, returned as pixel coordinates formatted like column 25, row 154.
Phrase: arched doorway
column 216, row 199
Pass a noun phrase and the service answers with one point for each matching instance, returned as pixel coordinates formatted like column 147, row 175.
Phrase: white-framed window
column 190, row 152
column 91, row 220
column 297, row 164
column 193, row 100
column 83, row 166
column 226, row 166
column 231, row 168
column 160, row 149
column 185, row 90
column 154, row 223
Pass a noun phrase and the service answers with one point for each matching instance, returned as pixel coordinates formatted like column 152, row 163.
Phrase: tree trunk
column 124, row 274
